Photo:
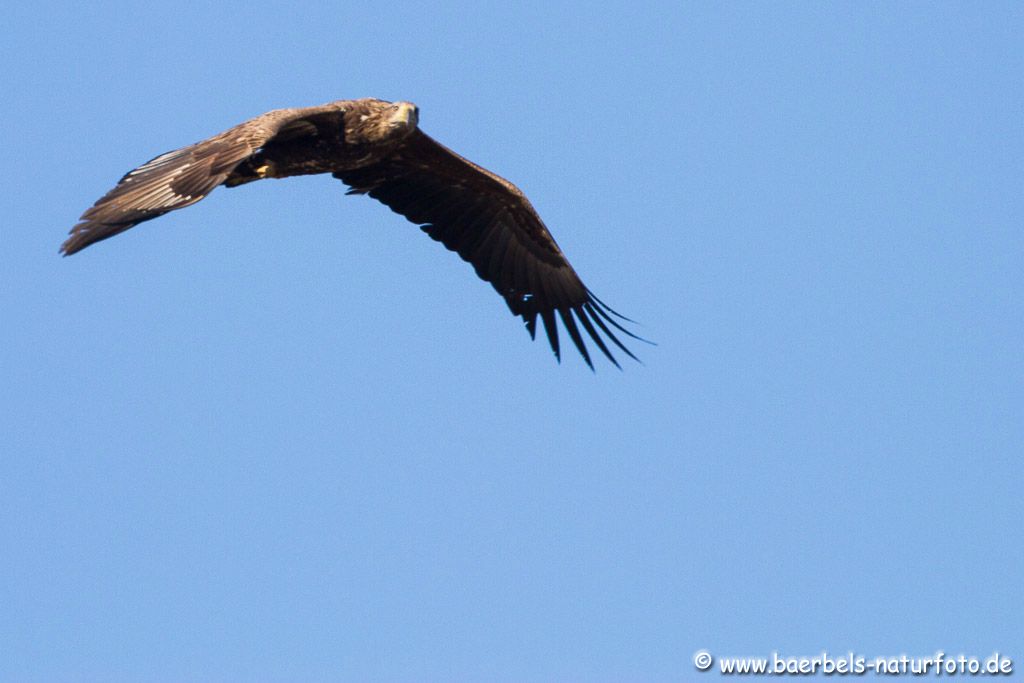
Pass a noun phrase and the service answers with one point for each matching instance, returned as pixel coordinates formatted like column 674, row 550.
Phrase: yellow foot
column 265, row 171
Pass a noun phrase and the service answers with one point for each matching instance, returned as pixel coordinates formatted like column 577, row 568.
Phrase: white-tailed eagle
column 376, row 148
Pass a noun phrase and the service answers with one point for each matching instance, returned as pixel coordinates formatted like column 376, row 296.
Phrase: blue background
column 282, row 435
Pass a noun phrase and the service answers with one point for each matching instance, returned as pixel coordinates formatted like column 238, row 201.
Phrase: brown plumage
column 376, row 148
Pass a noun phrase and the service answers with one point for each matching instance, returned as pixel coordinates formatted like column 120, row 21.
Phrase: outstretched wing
column 490, row 224
column 180, row 178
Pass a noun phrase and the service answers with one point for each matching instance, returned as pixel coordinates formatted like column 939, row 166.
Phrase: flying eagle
column 376, row 148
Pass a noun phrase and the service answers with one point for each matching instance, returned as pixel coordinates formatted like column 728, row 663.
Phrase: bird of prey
column 376, row 148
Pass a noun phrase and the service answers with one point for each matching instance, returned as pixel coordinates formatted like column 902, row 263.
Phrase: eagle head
column 377, row 121
column 404, row 116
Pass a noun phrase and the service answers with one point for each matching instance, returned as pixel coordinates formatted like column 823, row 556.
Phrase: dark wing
column 181, row 178
column 492, row 225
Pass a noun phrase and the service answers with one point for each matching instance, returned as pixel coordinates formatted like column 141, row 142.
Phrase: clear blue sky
column 282, row 435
